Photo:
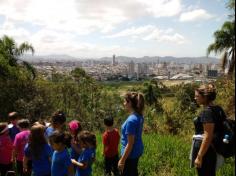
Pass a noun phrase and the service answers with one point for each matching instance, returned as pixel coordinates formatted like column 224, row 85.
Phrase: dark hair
column 88, row 137
column 37, row 140
column 137, row 101
column 23, row 123
column 67, row 139
column 109, row 121
column 58, row 137
column 13, row 115
column 58, row 118
column 208, row 91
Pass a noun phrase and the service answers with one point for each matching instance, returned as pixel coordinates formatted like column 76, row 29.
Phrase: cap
column 74, row 125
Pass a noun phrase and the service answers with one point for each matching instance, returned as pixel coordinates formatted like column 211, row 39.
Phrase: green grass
column 164, row 156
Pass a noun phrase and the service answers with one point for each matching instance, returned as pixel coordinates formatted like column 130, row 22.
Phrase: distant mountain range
column 124, row 59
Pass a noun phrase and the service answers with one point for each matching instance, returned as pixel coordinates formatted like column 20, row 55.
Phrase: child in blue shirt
column 38, row 151
column 61, row 161
column 57, row 123
column 87, row 141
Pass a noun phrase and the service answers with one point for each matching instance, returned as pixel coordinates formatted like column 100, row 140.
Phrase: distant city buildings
column 103, row 70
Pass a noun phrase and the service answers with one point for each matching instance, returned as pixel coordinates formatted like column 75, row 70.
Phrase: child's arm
column 79, row 165
column 71, row 170
column 14, row 154
column 25, row 164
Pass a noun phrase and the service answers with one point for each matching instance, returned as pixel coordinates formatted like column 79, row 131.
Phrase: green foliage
column 163, row 156
column 225, row 42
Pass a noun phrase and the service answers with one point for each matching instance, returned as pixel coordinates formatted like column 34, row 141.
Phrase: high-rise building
column 114, row 60
column 131, row 67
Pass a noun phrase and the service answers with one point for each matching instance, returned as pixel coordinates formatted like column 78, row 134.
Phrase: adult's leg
column 209, row 164
column 131, row 167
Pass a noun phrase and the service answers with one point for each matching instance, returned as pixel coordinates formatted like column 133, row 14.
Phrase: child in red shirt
column 111, row 140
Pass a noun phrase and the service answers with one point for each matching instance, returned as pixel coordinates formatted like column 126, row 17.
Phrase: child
column 87, row 141
column 75, row 128
column 57, row 123
column 61, row 162
column 5, row 149
column 111, row 139
column 39, row 151
column 13, row 129
column 20, row 141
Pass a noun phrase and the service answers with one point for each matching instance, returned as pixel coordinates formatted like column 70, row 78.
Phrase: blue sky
column 99, row 28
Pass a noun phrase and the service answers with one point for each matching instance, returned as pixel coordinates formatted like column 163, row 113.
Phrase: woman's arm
column 128, row 149
column 207, row 139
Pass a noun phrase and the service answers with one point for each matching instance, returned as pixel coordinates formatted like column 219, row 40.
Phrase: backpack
column 224, row 126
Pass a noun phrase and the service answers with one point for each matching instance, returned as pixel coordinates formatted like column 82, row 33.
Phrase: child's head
column 58, row 140
column 23, row 124
column 58, row 119
column 108, row 122
column 13, row 117
column 87, row 139
column 75, row 127
column 37, row 139
column 3, row 128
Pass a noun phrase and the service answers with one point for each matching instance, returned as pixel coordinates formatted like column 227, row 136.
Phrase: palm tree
column 225, row 43
column 11, row 53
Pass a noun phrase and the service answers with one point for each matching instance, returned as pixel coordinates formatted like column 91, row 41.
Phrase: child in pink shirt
column 5, row 149
column 20, row 141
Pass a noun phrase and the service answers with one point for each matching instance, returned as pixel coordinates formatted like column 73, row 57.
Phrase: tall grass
column 164, row 156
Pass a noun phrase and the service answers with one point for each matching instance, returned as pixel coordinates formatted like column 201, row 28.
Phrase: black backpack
column 224, row 126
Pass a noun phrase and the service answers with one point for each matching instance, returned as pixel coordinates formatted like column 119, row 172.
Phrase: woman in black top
column 205, row 124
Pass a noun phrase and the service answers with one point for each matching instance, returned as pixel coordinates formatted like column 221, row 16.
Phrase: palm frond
column 232, row 64
column 224, row 60
column 30, row 68
column 25, row 47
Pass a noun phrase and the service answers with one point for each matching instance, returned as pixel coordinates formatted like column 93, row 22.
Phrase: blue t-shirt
column 13, row 131
column 49, row 131
column 87, row 156
column 133, row 126
column 60, row 163
column 42, row 165
column 74, row 154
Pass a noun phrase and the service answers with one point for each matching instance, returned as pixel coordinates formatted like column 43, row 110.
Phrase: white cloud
column 151, row 32
column 134, row 31
column 195, row 15
column 85, row 16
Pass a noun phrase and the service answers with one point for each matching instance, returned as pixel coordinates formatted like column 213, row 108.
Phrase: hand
column 25, row 169
column 73, row 161
column 198, row 162
column 121, row 165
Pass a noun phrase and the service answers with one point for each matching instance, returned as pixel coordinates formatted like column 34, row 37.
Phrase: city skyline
column 134, row 28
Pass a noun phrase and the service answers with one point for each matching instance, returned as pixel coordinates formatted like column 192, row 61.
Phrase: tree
column 152, row 94
column 225, row 43
column 11, row 53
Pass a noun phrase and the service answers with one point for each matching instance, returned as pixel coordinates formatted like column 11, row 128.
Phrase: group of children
column 54, row 149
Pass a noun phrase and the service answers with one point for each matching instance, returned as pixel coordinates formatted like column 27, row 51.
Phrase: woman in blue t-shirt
column 131, row 139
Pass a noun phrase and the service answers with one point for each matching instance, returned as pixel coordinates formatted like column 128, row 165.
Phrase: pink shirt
column 5, row 149
column 20, row 141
